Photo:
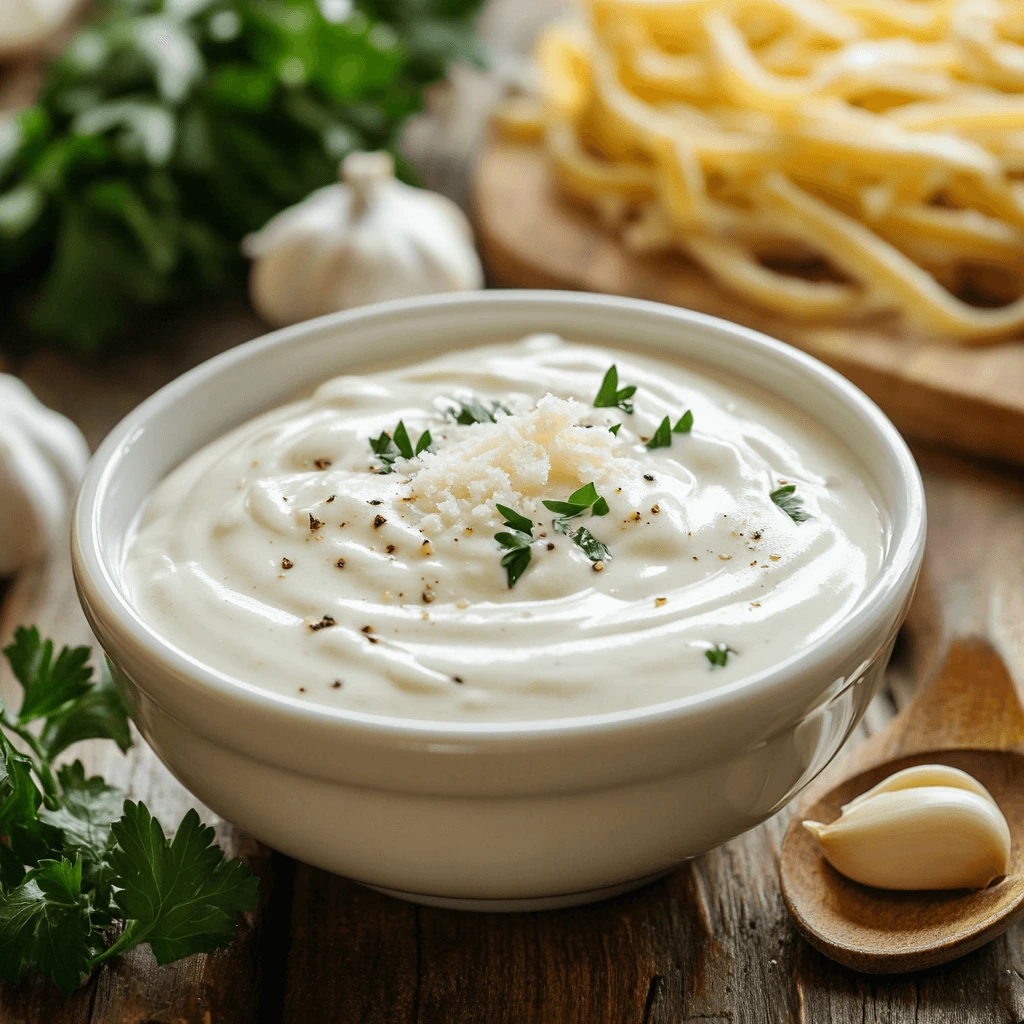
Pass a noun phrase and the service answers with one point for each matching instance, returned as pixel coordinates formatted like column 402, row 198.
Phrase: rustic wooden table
column 712, row 942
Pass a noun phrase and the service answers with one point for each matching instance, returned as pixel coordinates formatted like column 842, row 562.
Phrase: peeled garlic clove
column 928, row 837
column 925, row 775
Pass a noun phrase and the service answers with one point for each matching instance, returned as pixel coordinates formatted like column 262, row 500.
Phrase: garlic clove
column 925, row 775
column 42, row 457
column 927, row 837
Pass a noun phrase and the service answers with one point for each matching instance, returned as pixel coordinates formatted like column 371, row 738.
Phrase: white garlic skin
column 42, row 457
column 365, row 240
column 928, row 827
column 27, row 25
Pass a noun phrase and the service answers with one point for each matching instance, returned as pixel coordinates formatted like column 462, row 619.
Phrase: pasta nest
column 825, row 159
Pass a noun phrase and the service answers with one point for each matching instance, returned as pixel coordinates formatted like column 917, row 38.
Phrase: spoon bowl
column 969, row 718
column 886, row 932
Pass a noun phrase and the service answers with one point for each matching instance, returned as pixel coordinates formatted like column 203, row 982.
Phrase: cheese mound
column 545, row 452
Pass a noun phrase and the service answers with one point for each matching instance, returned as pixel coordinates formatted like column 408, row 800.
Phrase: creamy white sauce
column 424, row 624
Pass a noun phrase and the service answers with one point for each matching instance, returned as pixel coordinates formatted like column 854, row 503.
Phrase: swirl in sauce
column 280, row 556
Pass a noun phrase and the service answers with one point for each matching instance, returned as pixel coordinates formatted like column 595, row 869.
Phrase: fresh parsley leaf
column 615, row 429
column 68, row 866
column 48, row 684
column 790, row 502
column 611, row 396
column 46, row 922
column 590, row 545
column 475, row 411
column 578, row 503
column 515, row 521
column 518, row 553
column 662, row 436
column 718, row 655
column 386, row 450
column 388, row 447
column 99, row 714
column 424, row 444
column 515, row 562
column 88, row 806
column 179, row 896
column 402, row 442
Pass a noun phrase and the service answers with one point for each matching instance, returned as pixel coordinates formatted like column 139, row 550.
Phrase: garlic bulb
column 926, row 827
column 27, row 24
column 367, row 239
column 42, row 456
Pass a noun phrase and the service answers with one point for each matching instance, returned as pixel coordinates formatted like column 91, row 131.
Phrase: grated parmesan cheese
column 545, row 452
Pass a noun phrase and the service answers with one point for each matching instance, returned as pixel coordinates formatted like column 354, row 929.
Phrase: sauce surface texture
column 288, row 554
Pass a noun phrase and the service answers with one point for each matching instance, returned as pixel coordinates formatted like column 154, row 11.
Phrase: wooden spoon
column 969, row 718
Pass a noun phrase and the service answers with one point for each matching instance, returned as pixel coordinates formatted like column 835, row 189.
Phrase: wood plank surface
column 530, row 236
column 712, row 942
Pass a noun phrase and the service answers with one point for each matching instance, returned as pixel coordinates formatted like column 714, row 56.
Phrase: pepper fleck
column 376, row 501
column 457, row 679
column 314, row 523
column 336, row 685
column 327, row 620
column 331, row 498
column 378, row 522
column 286, row 563
column 390, row 549
column 648, row 477
column 551, row 547
column 340, row 563
column 321, row 463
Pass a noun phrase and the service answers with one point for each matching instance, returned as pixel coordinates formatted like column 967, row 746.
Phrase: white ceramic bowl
column 514, row 815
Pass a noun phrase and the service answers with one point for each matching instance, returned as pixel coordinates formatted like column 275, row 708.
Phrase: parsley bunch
column 75, row 856
column 167, row 130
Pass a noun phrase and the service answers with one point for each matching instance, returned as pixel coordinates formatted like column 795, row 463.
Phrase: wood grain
column 531, row 237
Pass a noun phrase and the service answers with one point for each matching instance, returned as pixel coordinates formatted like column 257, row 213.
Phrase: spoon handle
column 972, row 703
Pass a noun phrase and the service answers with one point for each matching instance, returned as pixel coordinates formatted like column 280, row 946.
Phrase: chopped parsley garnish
column 515, row 543
column 388, row 447
column 76, row 856
column 475, row 411
column 615, row 429
column 718, row 655
column 594, row 549
column 611, row 396
column 579, row 501
column 663, row 435
column 791, row 503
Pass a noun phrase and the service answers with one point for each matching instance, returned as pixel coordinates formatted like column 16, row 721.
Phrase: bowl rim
column 883, row 598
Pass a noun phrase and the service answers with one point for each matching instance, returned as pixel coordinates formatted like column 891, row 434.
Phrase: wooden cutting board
column 530, row 237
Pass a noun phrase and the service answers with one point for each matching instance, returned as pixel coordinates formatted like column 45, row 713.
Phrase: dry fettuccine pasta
column 824, row 159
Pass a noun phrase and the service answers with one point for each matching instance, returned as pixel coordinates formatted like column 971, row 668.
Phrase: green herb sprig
column 388, row 447
column 663, row 435
column 516, row 543
column 791, row 503
column 586, row 497
column 75, row 856
column 473, row 410
column 611, row 396
column 718, row 655
column 166, row 131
